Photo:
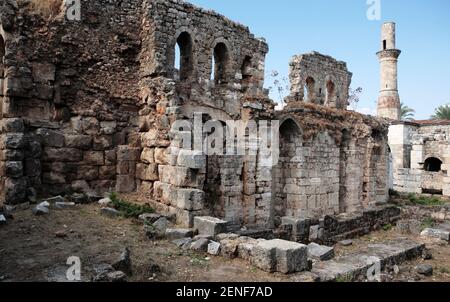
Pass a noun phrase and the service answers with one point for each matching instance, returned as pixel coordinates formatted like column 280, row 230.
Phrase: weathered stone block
column 280, row 255
column 14, row 169
column 53, row 178
column 94, row 158
column 436, row 233
column 51, row 138
column 210, row 226
column 127, row 153
column 192, row 159
column 179, row 176
column 148, row 155
column 126, row 167
column 13, row 141
column 62, row 155
column 87, row 172
column 125, row 183
column 147, row 172
column 43, row 72
column 320, row 252
column 14, row 125
column 172, row 234
column 103, row 142
column 164, row 192
column 78, row 141
column 190, row 199
column 107, row 172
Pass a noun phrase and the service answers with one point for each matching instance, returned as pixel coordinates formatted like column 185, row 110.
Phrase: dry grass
column 46, row 8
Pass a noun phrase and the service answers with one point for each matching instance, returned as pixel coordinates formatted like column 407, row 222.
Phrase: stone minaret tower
column 389, row 99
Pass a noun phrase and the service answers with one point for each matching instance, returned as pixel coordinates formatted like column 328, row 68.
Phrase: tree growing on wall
column 353, row 97
column 407, row 113
column 279, row 85
column 442, row 113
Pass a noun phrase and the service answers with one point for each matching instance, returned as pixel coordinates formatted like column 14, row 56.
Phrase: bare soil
column 36, row 248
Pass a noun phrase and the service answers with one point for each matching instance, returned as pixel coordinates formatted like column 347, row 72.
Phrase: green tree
column 407, row 114
column 442, row 113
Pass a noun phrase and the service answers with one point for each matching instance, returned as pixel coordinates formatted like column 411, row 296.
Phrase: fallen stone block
column 320, row 252
column 54, row 199
column 2, row 219
column 200, row 245
column 346, row 242
column 425, row 269
column 105, row 202
column 40, row 210
column 181, row 242
column 161, row 225
column 214, row 248
column 110, row 212
column 63, row 205
column 149, row 218
column 280, row 256
column 124, row 262
column 172, row 234
column 117, row 276
column 436, row 234
column 355, row 265
column 210, row 226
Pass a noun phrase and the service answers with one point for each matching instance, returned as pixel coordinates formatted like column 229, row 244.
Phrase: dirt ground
column 36, row 248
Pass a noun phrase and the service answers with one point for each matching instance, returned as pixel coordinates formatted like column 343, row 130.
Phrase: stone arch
column 246, row 69
column 433, row 164
column 184, row 40
column 309, row 90
column 221, row 63
column 186, row 65
column 330, row 93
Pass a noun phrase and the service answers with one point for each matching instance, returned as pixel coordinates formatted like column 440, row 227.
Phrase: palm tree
column 442, row 113
column 407, row 114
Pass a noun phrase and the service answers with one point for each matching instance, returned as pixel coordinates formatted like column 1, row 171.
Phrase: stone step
column 352, row 266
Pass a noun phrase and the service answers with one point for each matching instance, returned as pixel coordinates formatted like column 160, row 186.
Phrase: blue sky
column 340, row 28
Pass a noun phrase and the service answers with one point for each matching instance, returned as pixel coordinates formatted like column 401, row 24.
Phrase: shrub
column 424, row 200
column 427, row 223
column 129, row 210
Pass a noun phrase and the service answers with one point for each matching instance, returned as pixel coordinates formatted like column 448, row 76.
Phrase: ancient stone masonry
column 105, row 104
column 420, row 152
column 319, row 79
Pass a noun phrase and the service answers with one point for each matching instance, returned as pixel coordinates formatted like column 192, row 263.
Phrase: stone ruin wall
column 88, row 106
column 412, row 146
column 319, row 79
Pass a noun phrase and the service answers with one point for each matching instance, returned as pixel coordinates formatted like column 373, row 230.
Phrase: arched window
column 2, row 57
column 330, row 92
column 220, row 63
column 246, row 69
column 309, row 90
column 433, row 164
column 184, row 56
column 289, row 131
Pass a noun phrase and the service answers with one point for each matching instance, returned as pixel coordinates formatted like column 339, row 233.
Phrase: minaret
column 389, row 99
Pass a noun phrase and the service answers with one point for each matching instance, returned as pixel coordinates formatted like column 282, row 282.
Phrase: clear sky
column 340, row 28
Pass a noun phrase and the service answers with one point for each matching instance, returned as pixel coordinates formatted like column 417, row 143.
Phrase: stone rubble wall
column 411, row 145
column 323, row 79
